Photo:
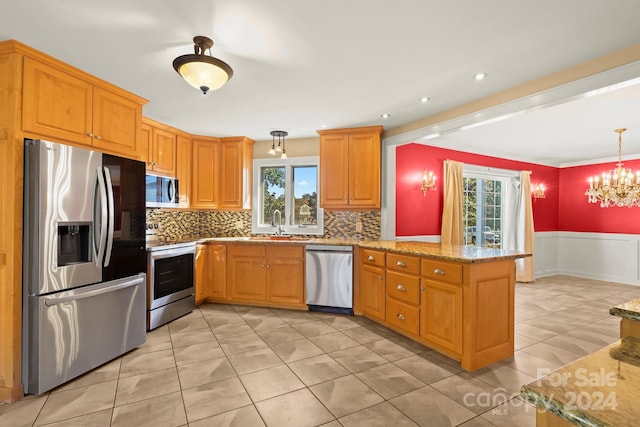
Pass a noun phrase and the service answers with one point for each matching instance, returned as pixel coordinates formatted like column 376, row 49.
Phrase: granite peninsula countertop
column 601, row 389
column 628, row 310
column 467, row 254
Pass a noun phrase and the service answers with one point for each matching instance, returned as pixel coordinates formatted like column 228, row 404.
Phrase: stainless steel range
column 170, row 284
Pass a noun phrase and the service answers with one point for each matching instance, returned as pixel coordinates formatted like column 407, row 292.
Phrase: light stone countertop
column 466, row 254
column 628, row 310
column 600, row 389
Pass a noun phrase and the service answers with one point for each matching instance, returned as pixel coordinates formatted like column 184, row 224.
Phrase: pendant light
column 280, row 134
column 202, row 71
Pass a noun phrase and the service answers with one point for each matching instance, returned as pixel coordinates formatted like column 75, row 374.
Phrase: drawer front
column 370, row 257
column 404, row 263
column 403, row 316
column 442, row 270
column 403, row 287
column 247, row 250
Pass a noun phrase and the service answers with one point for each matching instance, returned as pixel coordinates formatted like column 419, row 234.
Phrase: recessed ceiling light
column 425, row 99
column 323, row 126
column 385, row 115
column 480, row 76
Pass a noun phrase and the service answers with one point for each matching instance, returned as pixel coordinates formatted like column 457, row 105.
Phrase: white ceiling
column 302, row 64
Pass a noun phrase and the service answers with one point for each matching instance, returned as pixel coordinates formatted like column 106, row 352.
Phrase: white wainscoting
column 601, row 256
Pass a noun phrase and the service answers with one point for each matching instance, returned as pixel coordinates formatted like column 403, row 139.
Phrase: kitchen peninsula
column 458, row 300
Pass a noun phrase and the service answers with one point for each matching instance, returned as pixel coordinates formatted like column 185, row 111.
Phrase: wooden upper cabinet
column 59, row 105
column 183, row 168
column 162, row 155
column 145, row 142
column 350, row 168
column 222, row 171
column 204, row 182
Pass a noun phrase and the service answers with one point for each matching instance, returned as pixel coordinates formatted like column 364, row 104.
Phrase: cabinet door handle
column 401, row 288
column 401, row 264
column 98, row 137
column 370, row 258
column 422, row 288
column 89, row 134
column 439, row 271
column 400, row 316
column 263, row 266
column 381, row 278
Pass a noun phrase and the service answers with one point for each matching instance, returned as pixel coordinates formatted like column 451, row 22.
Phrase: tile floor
column 231, row 365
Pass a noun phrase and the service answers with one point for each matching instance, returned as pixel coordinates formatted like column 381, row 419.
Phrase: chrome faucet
column 273, row 222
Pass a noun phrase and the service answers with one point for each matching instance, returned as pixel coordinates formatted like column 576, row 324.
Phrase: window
column 484, row 206
column 289, row 186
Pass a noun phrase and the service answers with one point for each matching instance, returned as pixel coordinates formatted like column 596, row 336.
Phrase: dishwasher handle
column 329, row 248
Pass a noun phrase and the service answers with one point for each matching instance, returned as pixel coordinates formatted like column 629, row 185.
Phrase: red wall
column 575, row 214
column 417, row 215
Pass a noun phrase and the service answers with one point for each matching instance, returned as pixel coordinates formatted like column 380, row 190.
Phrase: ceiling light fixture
column 618, row 187
column 385, row 115
column 480, row 76
column 202, row 71
column 280, row 134
column 425, row 99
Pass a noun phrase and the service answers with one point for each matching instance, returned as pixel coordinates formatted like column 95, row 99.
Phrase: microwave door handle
column 171, row 193
column 102, row 190
column 110, row 222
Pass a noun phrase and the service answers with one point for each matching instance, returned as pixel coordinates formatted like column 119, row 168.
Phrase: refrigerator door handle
column 110, row 209
column 103, row 216
column 50, row 302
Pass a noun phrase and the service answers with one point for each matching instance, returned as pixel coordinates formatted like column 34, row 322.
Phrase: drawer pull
column 400, row 316
column 401, row 264
column 371, row 258
column 439, row 271
column 401, row 288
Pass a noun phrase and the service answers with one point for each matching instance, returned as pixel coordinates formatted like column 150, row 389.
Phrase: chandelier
column 280, row 134
column 618, row 187
column 202, row 71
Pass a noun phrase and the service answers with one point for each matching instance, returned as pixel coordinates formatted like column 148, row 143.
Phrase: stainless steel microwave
column 162, row 192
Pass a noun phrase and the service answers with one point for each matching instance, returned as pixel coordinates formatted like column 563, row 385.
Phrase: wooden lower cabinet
column 271, row 275
column 201, row 288
column 441, row 315
column 372, row 292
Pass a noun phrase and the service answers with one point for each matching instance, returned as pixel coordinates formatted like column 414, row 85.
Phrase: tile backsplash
column 184, row 224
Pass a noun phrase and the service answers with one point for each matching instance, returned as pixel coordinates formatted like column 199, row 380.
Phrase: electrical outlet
column 358, row 226
column 239, row 225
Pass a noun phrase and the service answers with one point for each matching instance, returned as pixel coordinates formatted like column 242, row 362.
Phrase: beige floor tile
column 146, row 386
column 357, row 359
column 333, row 423
column 426, row 368
column 188, row 322
column 22, row 413
column 204, row 372
column 95, row 419
column 366, row 334
column 254, row 360
column 503, row 376
column 520, row 342
column 279, row 335
column 158, row 339
column 265, row 323
column 270, row 382
column 472, row 393
column 317, row 369
column 552, row 353
column 193, row 336
column 242, row 343
column 107, row 372
column 530, row 364
column 296, row 350
column 380, row 415
column 574, row 344
column 139, row 363
column 231, row 330
column 342, row 322
column 295, row 317
column 78, row 401
column 217, row 318
column 299, row 408
column 345, row 395
column 391, row 350
column 513, row 413
column 313, row 329
column 476, row 422
column 214, row 398
column 533, row 332
column 247, row 416
column 389, row 381
column 333, row 341
column 427, row 407
column 166, row 410
column 197, row 352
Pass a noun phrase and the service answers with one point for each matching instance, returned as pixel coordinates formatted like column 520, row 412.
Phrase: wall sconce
column 428, row 182
column 538, row 191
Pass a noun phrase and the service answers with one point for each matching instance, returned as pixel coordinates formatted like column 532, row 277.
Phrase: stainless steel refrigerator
column 84, row 262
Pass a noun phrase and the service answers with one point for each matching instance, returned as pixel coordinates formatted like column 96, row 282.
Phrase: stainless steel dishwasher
column 329, row 278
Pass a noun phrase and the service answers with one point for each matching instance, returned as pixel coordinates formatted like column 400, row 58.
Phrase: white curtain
column 517, row 225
